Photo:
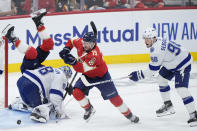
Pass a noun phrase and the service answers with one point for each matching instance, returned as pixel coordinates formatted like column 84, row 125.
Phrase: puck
column 18, row 122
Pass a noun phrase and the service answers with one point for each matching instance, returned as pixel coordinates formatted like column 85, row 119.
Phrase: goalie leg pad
column 47, row 45
column 31, row 53
column 41, row 113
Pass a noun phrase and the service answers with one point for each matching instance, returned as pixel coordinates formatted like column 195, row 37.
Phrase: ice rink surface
column 143, row 98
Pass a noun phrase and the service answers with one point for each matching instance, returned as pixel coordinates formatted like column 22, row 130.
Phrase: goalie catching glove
column 136, row 75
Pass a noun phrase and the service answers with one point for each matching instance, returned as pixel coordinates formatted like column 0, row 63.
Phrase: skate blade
column 34, row 14
column 93, row 112
column 166, row 114
column 5, row 30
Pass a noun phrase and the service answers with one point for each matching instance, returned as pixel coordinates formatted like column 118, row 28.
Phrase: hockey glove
column 70, row 59
column 136, row 75
column 65, row 51
column 1, row 72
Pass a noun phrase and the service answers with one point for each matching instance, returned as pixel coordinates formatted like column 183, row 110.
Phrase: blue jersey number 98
column 174, row 48
column 46, row 70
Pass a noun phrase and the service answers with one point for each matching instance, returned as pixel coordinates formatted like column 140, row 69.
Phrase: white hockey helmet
column 67, row 71
column 150, row 33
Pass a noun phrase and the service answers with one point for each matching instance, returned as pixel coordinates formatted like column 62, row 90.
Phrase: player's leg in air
column 164, row 88
column 33, row 57
column 32, row 60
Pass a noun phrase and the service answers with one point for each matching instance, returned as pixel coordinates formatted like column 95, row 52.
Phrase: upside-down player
column 93, row 69
column 41, row 87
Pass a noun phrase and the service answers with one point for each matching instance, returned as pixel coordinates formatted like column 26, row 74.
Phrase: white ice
column 143, row 99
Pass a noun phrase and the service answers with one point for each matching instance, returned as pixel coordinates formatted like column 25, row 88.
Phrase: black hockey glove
column 136, row 75
column 65, row 51
column 70, row 59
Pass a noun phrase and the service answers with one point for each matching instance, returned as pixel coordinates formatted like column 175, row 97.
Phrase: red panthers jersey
column 90, row 64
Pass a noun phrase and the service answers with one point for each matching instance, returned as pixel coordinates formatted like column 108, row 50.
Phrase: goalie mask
column 67, row 71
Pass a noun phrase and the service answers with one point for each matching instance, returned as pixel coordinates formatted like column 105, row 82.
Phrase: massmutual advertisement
column 119, row 33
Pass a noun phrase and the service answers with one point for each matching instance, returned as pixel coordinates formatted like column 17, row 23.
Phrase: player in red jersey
column 93, row 69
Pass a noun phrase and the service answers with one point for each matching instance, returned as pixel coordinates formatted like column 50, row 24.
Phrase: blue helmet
column 89, row 37
column 67, row 71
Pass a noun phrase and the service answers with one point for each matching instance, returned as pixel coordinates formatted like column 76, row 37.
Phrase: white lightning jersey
column 51, row 82
column 168, row 54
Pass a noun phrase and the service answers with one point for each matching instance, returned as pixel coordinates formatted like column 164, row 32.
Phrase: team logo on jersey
column 92, row 61
column 152, row 49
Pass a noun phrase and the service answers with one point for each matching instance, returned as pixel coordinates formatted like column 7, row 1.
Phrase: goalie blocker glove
column 136, row 75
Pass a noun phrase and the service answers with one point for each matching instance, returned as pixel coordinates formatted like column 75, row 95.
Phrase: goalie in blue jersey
column 41, row 87
column 171, row 60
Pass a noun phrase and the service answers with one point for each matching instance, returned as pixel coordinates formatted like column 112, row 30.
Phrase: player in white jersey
column 41, row 87
column 2, row 54
column 171, row 60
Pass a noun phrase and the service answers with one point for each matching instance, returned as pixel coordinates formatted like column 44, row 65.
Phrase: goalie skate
column 37, row 16
column 166, row 109
column 38, row 118
column 89, row 113
column 193, row 121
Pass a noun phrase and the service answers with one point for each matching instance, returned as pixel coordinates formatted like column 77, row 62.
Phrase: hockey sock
column 165, row 92
column 29, row 51
column 122, row 107
column 47, row 41
column 81, row 98
column 188, row 100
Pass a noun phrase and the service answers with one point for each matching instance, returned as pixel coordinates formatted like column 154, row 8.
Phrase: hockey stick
column 105, row 81
column 69, row 85
column 79, row 59
column 94, row 28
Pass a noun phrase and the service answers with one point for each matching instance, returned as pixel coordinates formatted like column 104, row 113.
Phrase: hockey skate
column 89, row 113
column 8, row 32
column 37, row 16
column 19, row 105
column 134, row 119
column 166, row 109
column 193, row 121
